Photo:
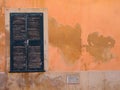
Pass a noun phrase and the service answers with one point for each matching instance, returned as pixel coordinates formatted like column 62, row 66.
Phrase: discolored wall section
column 2, row 37
column 86, row 39
column 83, row 38
column 58, row 81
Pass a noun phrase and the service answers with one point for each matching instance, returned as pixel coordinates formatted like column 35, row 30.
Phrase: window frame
column 45, row 35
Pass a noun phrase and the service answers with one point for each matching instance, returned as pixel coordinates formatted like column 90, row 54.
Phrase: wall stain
column 2, row 39
column 100, row 46
column 40, row 81
column 55, row 83
column 67, row 38
column 3, row 81
column 26, row 80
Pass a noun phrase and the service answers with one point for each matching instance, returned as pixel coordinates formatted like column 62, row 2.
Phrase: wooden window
column 26, row 42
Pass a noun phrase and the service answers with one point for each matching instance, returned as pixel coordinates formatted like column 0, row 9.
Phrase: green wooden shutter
column 26, row 42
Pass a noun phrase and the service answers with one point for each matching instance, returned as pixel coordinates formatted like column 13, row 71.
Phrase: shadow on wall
column 67, row 38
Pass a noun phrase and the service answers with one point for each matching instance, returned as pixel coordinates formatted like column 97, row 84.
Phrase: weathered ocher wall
column 57, row 81
column 83, row 34
column 83, row 18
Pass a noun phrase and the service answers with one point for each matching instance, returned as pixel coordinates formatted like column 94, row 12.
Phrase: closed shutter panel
column 26, row 42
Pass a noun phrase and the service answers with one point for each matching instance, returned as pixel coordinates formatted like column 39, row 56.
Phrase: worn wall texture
column 83, row 37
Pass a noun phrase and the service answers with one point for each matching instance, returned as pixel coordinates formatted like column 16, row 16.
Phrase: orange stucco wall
column 73, row 25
